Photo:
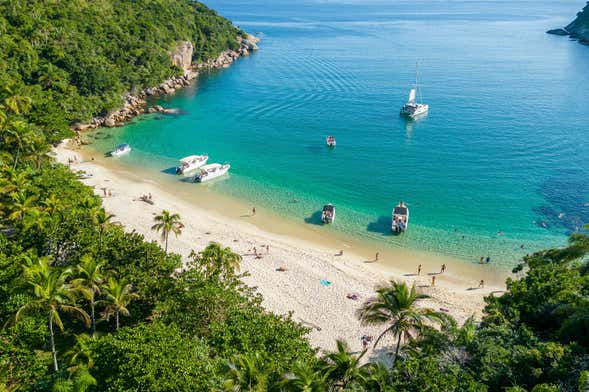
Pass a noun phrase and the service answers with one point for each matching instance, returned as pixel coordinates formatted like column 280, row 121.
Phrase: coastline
column 308, row 255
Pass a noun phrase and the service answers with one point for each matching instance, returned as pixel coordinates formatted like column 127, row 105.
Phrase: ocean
column 499, row 166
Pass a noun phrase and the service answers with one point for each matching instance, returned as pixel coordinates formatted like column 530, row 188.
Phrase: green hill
column 76, row 59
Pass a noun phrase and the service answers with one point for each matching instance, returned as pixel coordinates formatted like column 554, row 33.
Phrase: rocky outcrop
column 181, row 56
column 578, row 29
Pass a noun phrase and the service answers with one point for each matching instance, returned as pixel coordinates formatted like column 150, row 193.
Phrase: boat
column 191, row 163
column 400, row 218
column 412, row 108
column 328, row 214
column 211, row 171
column 330, row 140
column 121, row 149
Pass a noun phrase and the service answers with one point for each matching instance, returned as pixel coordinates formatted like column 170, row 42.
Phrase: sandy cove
column 325, row 309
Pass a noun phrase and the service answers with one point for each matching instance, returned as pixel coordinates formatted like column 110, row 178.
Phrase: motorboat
column 328, row 213
column 211, row 171
column 121, row 149
column 400, row 218
column 413, row 108
column 191, row 163
column 330, row 140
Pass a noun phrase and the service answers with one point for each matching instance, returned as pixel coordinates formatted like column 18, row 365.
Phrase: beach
column 316, row 281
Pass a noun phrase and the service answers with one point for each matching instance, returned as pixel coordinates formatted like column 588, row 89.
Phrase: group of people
column 485, row 260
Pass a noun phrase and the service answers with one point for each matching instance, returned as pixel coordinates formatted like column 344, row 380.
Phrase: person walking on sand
column 267, row 249
column 443, row 268
column 419, row 270
column 481, row 284
column 376, row 256
column 255, row 251
column 434, row 281
column 254, row 211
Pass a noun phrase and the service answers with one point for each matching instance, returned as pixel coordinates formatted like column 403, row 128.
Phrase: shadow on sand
column 315, row 218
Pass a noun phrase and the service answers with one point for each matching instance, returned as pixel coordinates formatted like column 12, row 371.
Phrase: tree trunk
column 53, row 353
column 16, row 158
column 166, row 249
column 92, row 306
column 117, row 319
column 397, row 348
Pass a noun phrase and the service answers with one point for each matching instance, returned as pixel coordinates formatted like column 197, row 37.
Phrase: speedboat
column 400, row 218
column 191, row 163
column 413, row 108
column 330, row 141
column 328, row 214
column 121, row 149
column 211, row 171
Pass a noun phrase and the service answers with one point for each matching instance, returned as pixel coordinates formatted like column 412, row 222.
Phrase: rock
column 81, row 127
column 579, row 28
column 158, row 108
column 558, row 32
column 181, row 56
column 110, row 122
column 151, row 110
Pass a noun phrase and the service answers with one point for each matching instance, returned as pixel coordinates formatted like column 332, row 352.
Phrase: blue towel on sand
column 325, row 282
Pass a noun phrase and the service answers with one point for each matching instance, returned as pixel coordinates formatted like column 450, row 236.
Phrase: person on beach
column 109, row 193
column 482, row 259
column 481, row 284
column 365, row 341
column 341, row 252
column 434, row 281
column 104, row 191
column 149, row 196
column 376, row 256
column 443, row 268
column 255, row 251
column 254, row 211
column 419, row 270
column 488, row 259
column 267, row 249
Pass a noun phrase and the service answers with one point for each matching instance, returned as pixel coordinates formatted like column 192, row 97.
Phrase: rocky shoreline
column 577, row 29
column 181, row 56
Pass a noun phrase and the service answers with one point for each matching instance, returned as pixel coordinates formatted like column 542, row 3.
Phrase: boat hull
column 208, row 176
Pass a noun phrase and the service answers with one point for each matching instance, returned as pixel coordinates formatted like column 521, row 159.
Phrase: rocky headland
column 181, row 56
column 577, row 29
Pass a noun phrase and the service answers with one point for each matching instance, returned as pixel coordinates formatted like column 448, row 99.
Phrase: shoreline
column 308, row 255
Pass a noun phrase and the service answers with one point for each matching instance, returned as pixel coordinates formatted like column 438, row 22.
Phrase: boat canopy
column 190, row 158
column 122, row 146
column 328, row 207
column 412, row 96
column 211, row 166
column 400, row 211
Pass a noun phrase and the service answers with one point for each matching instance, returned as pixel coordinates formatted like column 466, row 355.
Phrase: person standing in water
column 254, row 211
column 419, row 270
column 443, row 268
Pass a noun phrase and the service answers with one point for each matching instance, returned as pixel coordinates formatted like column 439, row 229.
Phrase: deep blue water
column 502, row 158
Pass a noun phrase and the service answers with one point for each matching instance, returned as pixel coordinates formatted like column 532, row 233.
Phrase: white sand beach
column 306, row 261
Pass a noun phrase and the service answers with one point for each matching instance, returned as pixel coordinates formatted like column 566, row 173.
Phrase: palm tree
column 375, row 377
column 395, row 306
column 342, row 366
column 89, row 281
column 167, row 223
column 305, row 378
column 118, row 296
column 52, row 296
column 81, row 355
column 215, row 260
column 101, row 219
column 249, row 372
column 22, row 204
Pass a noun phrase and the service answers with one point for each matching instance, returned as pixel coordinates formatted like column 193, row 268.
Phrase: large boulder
column 181, row 55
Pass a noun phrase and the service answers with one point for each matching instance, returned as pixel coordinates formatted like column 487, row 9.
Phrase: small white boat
column 413, row 108
column 211, row 171
column 330, row 140
column 400, row 218
column 328, row 214
column 121, row 149
column 191, row 163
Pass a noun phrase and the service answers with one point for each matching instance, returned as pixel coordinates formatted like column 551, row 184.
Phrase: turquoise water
column 500, row 161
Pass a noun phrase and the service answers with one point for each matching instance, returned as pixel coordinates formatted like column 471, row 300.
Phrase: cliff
column 579, row 28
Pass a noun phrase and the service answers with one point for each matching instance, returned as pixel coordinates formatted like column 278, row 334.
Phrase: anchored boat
column 330, row 141
column 121, row 149
column 191, row 163
column 328, row 214
column 400, row 218
column 211, row 171
column 412, row 108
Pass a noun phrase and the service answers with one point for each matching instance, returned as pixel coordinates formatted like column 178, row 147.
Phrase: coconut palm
column 81, row 355
column 88, row 284
column 248, row 372
column 166, row 223
column 305, row 378
column 395, row 306
column 118, row 297
column 217, row 261
column 376, row 377
column 342, row 366
column 21, row 205
column 101, row 219
column 51, row 295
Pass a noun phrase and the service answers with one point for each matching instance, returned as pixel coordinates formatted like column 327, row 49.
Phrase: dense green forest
column 76, row 59
column 87, row 306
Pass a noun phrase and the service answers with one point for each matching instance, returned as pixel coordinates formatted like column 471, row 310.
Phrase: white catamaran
column 191, row 163
column 412, row 108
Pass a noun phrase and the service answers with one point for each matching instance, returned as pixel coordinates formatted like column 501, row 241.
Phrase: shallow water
column 500, row 161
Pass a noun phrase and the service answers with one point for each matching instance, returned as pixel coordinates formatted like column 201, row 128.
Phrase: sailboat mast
column 416, row 82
